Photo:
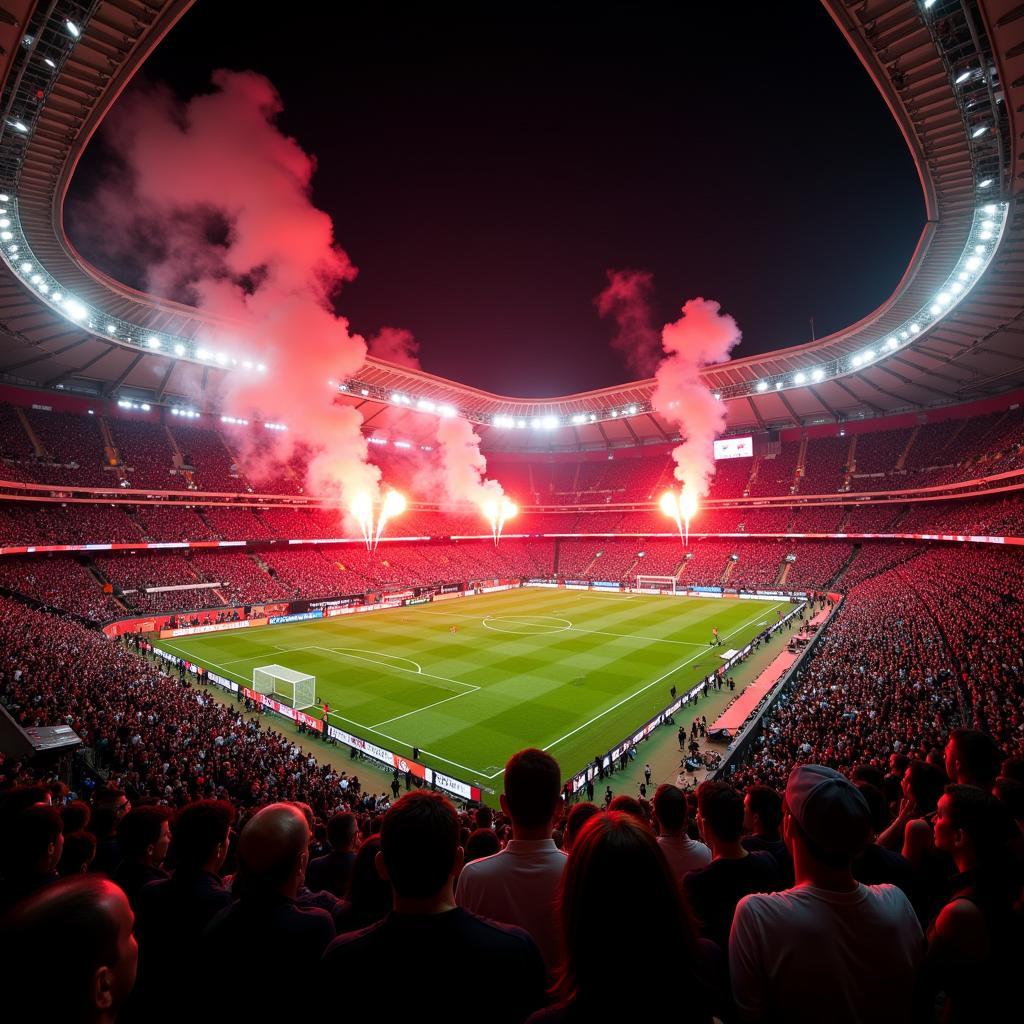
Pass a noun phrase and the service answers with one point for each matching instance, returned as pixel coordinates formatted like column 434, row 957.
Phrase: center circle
column 527, row 625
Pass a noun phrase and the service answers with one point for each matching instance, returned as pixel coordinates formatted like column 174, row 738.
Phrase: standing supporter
column 733, row 872
column 829, row 948
column 332, row 871
column 975, row 946
column 762, row 820
column 518, row 885
column 30, row 850
column 173, row 912
column 876, row 865
column 972, row 758
column 368, row 898
column 69, row 953
column 143, row 835
column 273, row 851
column 618, row 884
column 110, row 805
column 577, row 818
column 671, row 816
column 429, row 936
column 78, row 854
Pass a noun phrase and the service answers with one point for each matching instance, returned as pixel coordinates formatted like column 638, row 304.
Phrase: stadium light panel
column 978, row 132
column 447, row 411
column 364, row 392
column 935, row 309
column 550, row 422
column 153, row 343
column 762, row 385
column 26, row 268
column 817, row 374
column 49, row 63
column 5, row 222
column 979, row 250
column 536, row 423
column 986, row 183
column 261, row 367
column 891, row 344
column 718, row 396
column 36, row 278
column 944, row 298
column 74, row 31
column 915, row 328
column 4, row 197
column 990, row 208
column 956, row 287
column 778, row 385
column 985, row 235
column 7, row 236
column 857, row 360
column 632, row 410
column 798, row 379
column 869, row 355
column 179, row 350
column 988, row 225
column 111, row 328
column 521, row 424
column 425, row 405
column 973, row 262
column 18, row 126
column 963, row 76
column 593, row 418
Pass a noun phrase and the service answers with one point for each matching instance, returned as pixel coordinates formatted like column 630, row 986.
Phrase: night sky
column 483, row 170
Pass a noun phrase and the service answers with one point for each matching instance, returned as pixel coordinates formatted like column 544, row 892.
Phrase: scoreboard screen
column 734, row 448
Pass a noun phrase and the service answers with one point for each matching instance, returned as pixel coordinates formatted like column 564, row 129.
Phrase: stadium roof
column 951, row 72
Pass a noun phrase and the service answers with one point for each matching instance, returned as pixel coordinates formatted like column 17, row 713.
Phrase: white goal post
column 657, row 584
column 296, row 689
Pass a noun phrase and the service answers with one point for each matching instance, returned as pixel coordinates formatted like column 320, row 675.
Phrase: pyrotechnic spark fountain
column 362, row 512
column 681, row 508
column 498, row 513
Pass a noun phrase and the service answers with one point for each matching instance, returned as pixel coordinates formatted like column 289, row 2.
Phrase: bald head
column 83, row 925
column 272, row 851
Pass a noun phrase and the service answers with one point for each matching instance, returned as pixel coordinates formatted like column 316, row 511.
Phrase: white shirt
column 810, row 954
column 518, row 886
column 684, row 854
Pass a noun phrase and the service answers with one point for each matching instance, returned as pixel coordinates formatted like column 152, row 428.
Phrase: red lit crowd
column 864, row 864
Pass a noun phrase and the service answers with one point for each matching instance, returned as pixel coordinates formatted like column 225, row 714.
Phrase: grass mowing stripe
column 576, row 689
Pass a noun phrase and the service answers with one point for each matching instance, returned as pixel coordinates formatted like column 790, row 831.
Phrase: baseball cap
column 829, row 809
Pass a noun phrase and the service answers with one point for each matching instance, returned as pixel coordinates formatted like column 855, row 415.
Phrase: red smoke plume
column 700, row 337
column 215, row 204
column 396, row 345
column 627, row 299
column 463, row 465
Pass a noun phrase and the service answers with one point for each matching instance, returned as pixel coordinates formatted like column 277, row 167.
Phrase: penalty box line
column 653, row 682
column 362, row 726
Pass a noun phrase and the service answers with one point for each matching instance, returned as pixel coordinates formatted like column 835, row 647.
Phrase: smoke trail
column 627, row 300
column 701, row 336
column 213, row 207
column 396, row 345
column 463, row 465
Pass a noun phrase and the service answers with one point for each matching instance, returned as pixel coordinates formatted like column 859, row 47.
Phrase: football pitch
column 572, row 672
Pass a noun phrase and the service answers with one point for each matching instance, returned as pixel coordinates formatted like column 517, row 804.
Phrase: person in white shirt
column 519, row 885
column 829, row 948
column 671, row 815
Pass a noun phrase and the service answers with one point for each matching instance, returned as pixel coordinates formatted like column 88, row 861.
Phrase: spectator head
column 484, row 817
column 670, row 809
column 1010, row 793
column 1013, row 768
column 923, row 783
column 144, row 835
column 481, row 843
column 762, row 812
column 76, row 816
column 201, row 834
column 972, row 826
column 17, row 799
column 629, row 805
column 34, row 841
column 876, row 806
column 617, row 882
column 341, row 831
column 897, row 765
column 72, row 950
column 827, row 819
column 273, row 850
column 719, row 813
column 369, row 894
column 78, row 853
column 972, row 758
column 419, row 846
column 578, row 817
column 533, row 790
column 873, row 774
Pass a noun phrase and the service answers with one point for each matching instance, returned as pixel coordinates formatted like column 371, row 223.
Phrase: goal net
column 296, row 689
column 657, row 584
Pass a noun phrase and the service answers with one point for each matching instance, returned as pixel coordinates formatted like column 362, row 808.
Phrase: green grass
column 569, row 671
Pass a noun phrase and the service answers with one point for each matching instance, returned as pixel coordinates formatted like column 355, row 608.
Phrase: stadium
column 312, row 655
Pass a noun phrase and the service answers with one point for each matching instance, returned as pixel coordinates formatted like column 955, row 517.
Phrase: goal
column 296, row 689
column 659, row 584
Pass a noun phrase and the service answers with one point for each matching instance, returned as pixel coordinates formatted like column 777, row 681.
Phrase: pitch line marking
column 653, row 682
column 426, row 707
column 547, row 630
column 344, row 652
